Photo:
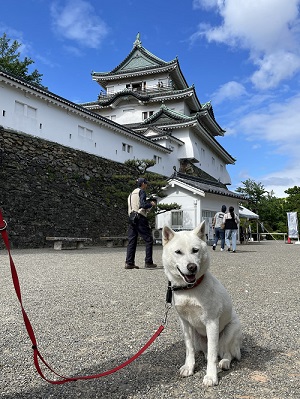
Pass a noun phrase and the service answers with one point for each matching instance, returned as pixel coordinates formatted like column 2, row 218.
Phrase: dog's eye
column 178, row 252
column 195, row 250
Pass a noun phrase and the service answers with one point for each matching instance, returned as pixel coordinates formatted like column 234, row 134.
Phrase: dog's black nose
column 192, row 267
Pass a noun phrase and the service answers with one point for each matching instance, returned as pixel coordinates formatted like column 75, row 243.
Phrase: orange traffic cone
column 289, row 241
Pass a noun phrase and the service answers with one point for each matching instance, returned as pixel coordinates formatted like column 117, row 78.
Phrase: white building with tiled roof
column 152, row 98
column 145, row 110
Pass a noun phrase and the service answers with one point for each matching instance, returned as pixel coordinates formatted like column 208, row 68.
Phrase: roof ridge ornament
column 137, row 42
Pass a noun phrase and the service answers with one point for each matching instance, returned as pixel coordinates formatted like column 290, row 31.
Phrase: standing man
column 219, row 228
column 138, row 207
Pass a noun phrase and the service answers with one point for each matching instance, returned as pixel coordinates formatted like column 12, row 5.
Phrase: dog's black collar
column 180, row 288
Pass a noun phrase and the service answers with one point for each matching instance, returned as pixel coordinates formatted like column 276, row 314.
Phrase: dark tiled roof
column 107, row 100
column 207, row 183
column 141, row 60
column 138, row 59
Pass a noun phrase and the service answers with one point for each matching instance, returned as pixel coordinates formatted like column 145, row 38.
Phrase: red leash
column 36, row 354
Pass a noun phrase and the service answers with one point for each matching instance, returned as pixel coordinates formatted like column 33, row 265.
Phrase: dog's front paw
column 224, row 364
column 186, row 371
column 210, row 381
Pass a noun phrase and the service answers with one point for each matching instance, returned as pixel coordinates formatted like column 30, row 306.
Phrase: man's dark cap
column 141, row 180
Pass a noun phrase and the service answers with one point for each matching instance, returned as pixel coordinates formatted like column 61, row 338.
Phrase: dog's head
column 185, row 255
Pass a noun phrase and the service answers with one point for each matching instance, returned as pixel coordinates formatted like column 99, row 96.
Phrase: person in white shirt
column 219, row 230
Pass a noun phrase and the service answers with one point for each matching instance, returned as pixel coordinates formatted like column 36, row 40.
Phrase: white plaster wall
column 152, row 83
column 130, row 111
column 192, row 206
column 61, row 124
column 192, row 149
column 214, row 202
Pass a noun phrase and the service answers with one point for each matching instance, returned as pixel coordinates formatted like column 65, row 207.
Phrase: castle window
column 137, row 86
column 84, row 132
column 146, row 115
column 127, row 148
column 25, row 110
column 177, row 219
column 157, row 159
column 31, row 112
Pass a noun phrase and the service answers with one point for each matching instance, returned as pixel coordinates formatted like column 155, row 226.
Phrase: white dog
column 208, row 321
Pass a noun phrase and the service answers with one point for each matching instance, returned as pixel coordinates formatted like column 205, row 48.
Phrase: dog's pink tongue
column 189, row 278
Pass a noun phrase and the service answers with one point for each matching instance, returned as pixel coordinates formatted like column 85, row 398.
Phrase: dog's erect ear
column 200, row 231
column 167, row 234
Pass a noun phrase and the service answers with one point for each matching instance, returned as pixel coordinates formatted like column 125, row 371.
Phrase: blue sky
column 242, row 55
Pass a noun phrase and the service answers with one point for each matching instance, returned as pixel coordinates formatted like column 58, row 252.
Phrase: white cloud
column 281, row 181
column 274, row 68
column 277, row 123
column 256, row 146
column 204, row 3
column 77, row 20
column 230, row 90
column 276, row 129
column 268, row 29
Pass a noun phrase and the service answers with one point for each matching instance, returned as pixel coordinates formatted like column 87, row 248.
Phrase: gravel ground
column 90, row 315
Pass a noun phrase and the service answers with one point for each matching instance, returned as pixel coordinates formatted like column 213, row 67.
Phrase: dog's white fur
column 208, row 321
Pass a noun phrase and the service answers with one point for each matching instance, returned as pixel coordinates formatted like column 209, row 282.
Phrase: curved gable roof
column 141, row 60
column 168, row 114
column 207, row 184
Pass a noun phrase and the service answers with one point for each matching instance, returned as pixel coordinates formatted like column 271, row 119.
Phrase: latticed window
column 84, row 132
column 177, row 218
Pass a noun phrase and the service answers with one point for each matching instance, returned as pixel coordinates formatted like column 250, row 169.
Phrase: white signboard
column 292, row 224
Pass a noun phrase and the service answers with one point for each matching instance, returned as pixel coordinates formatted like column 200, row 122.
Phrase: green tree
column 140, row 165
column 253, row 192
column 293, row 200
column 271, row 210
column 11, row 63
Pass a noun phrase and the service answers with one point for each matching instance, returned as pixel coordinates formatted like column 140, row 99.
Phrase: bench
column 58, row 241
column 119, row 240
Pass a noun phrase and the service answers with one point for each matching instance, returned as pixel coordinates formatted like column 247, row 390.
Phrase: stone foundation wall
column 50, row 190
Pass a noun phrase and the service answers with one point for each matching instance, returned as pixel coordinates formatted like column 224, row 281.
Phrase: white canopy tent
column 246, row 213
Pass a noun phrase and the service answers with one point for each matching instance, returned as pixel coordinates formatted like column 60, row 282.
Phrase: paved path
column 90, row 315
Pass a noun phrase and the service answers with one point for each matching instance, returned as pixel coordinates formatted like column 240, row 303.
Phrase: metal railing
column 263, row 235
column 148, row 90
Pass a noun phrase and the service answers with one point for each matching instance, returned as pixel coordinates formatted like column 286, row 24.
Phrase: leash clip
column 4, row 226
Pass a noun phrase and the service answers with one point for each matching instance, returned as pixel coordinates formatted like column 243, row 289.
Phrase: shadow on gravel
column 153, row 368
column 254, row 357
